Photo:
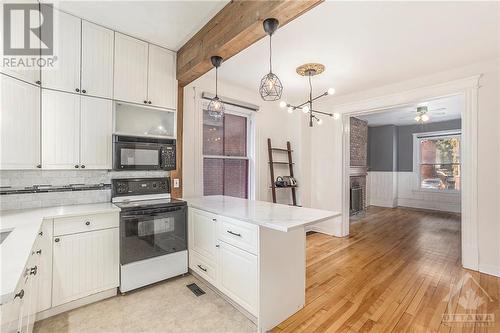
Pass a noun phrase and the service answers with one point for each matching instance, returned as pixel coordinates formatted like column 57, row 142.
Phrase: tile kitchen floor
column 165, row 307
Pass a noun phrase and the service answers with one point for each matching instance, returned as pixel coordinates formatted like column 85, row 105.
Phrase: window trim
column 250, row 156
column 416, row 158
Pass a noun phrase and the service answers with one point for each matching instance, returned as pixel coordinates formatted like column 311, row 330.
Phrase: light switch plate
column 176, row 182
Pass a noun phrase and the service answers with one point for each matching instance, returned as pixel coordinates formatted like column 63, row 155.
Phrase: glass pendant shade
column 216, row 108
column 270, row 87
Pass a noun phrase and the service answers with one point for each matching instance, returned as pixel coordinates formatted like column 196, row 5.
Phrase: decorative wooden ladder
column 290, row 164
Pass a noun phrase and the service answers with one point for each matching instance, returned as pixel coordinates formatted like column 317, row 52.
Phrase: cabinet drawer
column 240, row 234
column 73, row 225
column 203, row 266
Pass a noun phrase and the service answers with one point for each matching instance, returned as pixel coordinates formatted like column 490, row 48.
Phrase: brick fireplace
column 358, row 164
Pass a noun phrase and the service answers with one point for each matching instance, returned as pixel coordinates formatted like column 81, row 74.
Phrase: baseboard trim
column 76, row 304
column 490, row 270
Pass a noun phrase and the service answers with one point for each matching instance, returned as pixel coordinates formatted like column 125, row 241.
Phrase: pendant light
column 270, row 85
column 422, row 116
column 216, row 106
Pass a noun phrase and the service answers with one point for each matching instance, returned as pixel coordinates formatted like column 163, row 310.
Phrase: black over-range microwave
column 143, row 153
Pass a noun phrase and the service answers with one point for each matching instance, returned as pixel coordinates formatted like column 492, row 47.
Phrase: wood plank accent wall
column 237, row 26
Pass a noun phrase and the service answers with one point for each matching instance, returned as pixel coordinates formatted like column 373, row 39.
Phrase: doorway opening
column 466, row 90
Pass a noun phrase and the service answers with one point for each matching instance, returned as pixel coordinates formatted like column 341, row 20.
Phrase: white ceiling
column 439, row 110
column 166, row 23
column 369, row 44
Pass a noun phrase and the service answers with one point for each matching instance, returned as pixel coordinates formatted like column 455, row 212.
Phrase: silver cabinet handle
column 19, row 294
column 233, row 233
column 37, row 251
column 202, row 268
column 33, row 270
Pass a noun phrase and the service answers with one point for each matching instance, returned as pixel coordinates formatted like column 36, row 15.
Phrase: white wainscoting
column 391, row 189
column 382, row 188
column 410, row 196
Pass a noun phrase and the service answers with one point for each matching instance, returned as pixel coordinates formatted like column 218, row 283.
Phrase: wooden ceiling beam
column 237, row 26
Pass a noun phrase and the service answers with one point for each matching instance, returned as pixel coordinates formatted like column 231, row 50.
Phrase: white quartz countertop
column 25, row 224
column 270, row 215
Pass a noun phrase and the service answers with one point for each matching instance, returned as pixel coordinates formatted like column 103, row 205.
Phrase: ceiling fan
column 422, row 114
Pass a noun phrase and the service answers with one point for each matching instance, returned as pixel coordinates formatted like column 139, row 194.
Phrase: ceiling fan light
column 417, row 118
column 331, row 91
column 425, row 117
column 283, row 104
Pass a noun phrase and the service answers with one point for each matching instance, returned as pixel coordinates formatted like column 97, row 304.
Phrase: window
column 226, row 155
column 438, row 158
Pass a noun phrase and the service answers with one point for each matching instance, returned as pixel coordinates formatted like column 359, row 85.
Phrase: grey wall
column 405, row 139
column 390, row 148
column 382, row 148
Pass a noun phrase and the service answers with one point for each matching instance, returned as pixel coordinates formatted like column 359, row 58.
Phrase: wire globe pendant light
column 270, row 85
column 216, row 106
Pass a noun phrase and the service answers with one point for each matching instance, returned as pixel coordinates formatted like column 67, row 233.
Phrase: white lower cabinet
column 218, row 252
column 65, row 264
column 84, row 264
column 238, row 276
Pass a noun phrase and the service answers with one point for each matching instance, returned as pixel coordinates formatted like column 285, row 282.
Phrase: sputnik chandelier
column 310, row 70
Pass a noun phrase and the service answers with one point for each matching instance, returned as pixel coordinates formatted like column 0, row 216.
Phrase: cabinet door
column 203, row 233
column 131, row 69
column 161, row 77
column 19, row 124
column 65, row 75
column 97, row 60
column 60, row 130
column 11, row 314
column 84, row 264
column 237, row 276
column 44, row 251
column 96, row 126
column 29, row 72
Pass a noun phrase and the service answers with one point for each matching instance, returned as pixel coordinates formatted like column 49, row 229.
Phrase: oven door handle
column 153, row 212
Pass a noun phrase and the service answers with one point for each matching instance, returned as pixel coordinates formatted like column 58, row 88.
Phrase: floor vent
column 195, row 289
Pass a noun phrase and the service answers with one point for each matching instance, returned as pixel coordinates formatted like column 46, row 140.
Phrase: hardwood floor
column 398, row 271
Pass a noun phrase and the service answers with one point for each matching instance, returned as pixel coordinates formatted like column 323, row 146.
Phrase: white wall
column 382, row 189
column 327, row 159
column 270, row 122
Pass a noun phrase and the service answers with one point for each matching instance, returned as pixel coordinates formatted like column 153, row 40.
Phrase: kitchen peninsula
column 253, row 252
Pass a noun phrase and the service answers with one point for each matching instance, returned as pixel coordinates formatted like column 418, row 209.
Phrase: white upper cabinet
column 31, row 72
column 161, row 77
column 96, row 125
column 97, row 60
column 19, row 124
column 60, row 130
column 131, row 74
column 65, row 75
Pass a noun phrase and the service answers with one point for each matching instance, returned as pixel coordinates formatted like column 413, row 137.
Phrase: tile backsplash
column 25, row 178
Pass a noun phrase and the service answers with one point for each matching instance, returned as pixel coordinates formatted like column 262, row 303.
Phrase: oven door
column 137, row 156
column 149, row 233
